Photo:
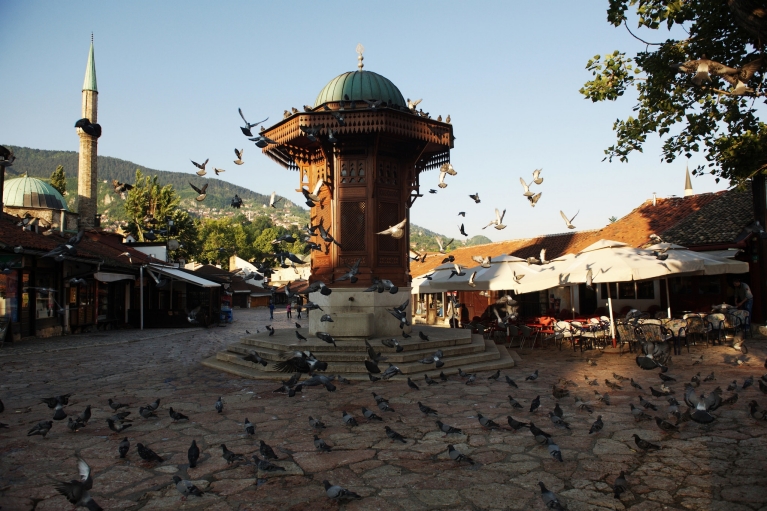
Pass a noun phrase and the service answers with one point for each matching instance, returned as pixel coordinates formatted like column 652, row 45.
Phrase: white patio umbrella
column 712, row 265
column 499, row 276
column 606, row 261
column 423, row 285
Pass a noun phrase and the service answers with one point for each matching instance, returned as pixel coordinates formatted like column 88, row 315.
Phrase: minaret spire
column 360, row 58
column 687, row 183
column 87, row 172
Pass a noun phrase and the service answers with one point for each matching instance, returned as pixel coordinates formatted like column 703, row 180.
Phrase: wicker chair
column 627, row 334
column 563, row 331
column 716, row 323
column 696, row 327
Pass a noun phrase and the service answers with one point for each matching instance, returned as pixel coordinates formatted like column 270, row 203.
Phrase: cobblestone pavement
column 719, row 467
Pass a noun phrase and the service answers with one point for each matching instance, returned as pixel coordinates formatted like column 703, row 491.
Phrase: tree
column 613, row 219
column 688, row 117
column 59, row 180
column 149, row 200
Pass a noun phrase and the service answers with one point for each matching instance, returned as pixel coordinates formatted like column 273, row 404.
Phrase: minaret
column 687, row 183
column 87, row 177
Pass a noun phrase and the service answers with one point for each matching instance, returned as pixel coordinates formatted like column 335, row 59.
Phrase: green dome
column 360, row 85
column 28, row 192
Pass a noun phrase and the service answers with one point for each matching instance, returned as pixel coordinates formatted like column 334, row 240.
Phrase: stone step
column 502, row 360
column 353, row 362
column 360, row 354
column 285, row 339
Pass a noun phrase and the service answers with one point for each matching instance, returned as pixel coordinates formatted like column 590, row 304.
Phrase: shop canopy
column 177, row 274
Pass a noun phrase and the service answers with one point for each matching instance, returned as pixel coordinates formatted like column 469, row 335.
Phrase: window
column 646, row 290
column 709, row 285
column 626, row 290
column 681, row 285
column 353, row 226
column 613, row 290
column 44, row 295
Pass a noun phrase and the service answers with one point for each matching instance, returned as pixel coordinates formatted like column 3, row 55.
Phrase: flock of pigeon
column 699, row 409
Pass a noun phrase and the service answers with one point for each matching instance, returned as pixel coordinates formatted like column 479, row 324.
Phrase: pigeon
column 710, row 377
column 597, row 426
column 369, row 415
column 238, row 153
column 6, row 157
column 535, row 404
column 534, row 199
column 665, row 425
column 550, row 499
column 635, row 384
column 703, row 68
column 448, row 430
column 75, row 425
column 472, row 378
column 569, row 221
column 514, row 403
column 498, row 221
column 117, row 426
column 116, row 406
column 349, row 420
column 193, row 454
column 255, row 358
column 537, row 179
column 320, row 444
column 393, row 435
column 463, row 230
column 554, row 450
column 702, row 405
column 338, row 493
column 748, row 382
column 177, row 416
column 443, row 248
column 186, row 488
column 201, row 192
column 533, row 376
column 266, row 451
column 266, row 465
column 429, row 381
column 540, row 436
column 755, row 412
column 638, row 413
column 230, row 456
column 526, row 188
column 316, row 423
column 515, row 424
column 91, row 128
column 147, row 454
column 395, row 231
column 559, row 393
column 76, row 491
column 412, row 385
column 740, row 78
column 558, row 421
column 644, row 444
column 647, row 405
column 456, row 455
column 219, row 405
column 250, row 429
column 442, row 376
column 426, row 410
column 620, row 485
column 53, row 402
column 247, row 129
column 495, row 375
column 384, row 406
column 487, row 423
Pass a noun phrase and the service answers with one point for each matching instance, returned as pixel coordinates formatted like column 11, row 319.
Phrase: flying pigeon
column 396, row 231
column 703, row 69
column 498, row 222
column 569, row 222
column 201, row 192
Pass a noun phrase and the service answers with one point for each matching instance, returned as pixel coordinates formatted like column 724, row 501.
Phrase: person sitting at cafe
column 744, row 299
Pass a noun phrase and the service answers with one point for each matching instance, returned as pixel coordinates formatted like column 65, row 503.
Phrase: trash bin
column 226, row 314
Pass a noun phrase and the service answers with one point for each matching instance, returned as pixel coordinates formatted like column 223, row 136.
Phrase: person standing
column 287, row 310
column 298, row 310
column 271, row 309
column 744, row 299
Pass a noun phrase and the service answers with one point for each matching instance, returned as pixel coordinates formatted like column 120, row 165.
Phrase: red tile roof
column 633, row 229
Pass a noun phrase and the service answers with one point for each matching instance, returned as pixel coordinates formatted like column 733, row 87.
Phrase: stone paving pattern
column 717, row 467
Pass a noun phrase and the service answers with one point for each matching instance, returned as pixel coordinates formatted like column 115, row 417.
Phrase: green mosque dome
column 358, row 86
column 28, row 192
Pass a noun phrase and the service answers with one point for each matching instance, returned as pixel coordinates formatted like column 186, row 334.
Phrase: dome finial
column 360, row 58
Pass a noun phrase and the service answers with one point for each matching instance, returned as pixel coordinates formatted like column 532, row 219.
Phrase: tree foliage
column 59, row 180
column 148, row 199
column 688, row 118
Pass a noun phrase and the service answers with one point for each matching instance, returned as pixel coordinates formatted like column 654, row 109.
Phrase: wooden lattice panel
column 353, row 226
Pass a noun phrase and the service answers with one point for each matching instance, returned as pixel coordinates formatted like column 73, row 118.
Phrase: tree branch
column 639, row 38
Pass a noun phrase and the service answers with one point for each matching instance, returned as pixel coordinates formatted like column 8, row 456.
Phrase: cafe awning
column 189, row 278
column 103, row 276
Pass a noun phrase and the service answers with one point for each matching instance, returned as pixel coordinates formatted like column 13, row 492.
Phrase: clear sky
column 172, row 74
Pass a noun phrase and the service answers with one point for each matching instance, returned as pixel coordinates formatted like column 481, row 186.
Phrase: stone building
column 29, row 197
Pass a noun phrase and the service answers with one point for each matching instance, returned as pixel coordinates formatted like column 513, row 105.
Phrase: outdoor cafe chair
column 527, row 334
column 581, row 335
column 735, row 321
column 716, row 322
column 651, row 330
column 627, row 334
column 677, row 330
column 696, row 327
column 563, row 331
column 513, row 332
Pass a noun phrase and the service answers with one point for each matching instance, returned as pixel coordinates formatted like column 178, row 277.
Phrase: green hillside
column 40, row 163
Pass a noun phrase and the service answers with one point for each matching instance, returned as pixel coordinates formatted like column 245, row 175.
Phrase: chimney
column 654, row 198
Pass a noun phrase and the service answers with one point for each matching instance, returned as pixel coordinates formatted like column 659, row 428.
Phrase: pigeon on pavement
column 124, row 447
column 193, row 454
column 338, row 493
column 186, row 487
